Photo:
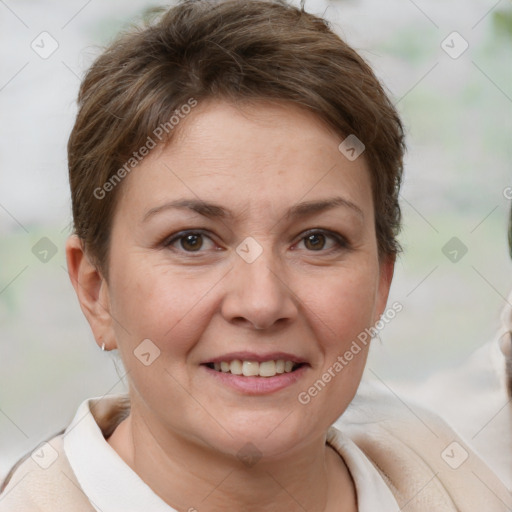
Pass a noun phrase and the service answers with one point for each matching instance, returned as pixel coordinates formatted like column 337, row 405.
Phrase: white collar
column 107, row 481
column 372, row 492
column 112, row 486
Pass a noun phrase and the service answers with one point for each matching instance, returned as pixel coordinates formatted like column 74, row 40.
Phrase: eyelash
column 340, row 241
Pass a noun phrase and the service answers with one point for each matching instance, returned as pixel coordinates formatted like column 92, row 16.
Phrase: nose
column 258, row 294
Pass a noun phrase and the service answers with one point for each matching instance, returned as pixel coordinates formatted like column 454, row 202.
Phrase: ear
column 386, row 271
column 92, row 291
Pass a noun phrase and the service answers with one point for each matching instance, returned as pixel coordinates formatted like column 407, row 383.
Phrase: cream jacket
column 475, row 398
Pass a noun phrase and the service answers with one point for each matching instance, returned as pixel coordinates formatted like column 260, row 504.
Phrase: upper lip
column 260, row 358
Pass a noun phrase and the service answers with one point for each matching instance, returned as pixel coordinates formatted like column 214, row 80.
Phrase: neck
column 190, row 477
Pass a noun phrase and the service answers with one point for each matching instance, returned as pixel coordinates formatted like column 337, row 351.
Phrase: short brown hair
column 236, row 50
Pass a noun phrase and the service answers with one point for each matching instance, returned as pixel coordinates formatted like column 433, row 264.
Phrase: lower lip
column 257, row 385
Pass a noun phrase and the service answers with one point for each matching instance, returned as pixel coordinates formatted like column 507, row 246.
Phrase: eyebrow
column 212, row 210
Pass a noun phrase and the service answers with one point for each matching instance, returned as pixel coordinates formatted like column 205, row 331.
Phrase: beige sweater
column 475, row 398
column 416, row 457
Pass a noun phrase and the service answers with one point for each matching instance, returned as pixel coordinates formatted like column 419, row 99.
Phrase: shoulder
column 44, row 482
column 473, row 398
column 425, row 463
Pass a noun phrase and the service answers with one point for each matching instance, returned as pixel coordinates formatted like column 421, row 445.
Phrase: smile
column 254, row 368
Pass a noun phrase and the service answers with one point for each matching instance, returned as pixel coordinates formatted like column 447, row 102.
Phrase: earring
column 103, row 346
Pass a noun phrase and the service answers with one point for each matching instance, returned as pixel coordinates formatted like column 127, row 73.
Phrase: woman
column 234, row 173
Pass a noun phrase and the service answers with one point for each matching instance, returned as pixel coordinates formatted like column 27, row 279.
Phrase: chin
column 265, row 435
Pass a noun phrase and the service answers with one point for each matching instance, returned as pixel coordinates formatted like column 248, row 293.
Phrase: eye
column 189, row 241
column 316, row 240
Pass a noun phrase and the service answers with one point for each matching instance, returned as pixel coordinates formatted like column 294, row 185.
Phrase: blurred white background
column 458, row 114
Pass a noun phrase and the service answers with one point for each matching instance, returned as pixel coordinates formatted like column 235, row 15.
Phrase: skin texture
column 304, row 296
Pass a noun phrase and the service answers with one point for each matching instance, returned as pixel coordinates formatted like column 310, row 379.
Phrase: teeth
column 250, row 368
column 236, row 367
column 268, row 369
column 254, row 369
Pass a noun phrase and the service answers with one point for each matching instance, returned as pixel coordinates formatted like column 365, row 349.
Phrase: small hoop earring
column 103, row 346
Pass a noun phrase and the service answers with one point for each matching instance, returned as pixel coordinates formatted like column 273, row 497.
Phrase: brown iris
column 192, row 242
column 316, row 241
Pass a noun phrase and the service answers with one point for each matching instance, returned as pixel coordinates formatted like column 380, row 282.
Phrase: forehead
column 259, row 154
column 265, row 131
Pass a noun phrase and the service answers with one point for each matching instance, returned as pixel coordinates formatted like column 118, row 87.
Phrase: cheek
column 168, row 309
column 342, row 307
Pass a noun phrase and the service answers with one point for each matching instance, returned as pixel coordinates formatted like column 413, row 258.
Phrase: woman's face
column 249, row 239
